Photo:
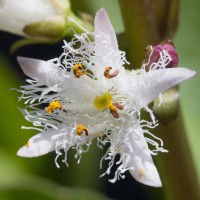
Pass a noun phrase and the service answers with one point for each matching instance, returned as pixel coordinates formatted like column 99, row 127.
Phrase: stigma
column 105, row 102
column 109, row 75
column 79, row 70
column 53, row 105
column 80, row 129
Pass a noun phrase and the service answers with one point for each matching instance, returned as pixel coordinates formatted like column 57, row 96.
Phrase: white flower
column 86, row 93
column 16, row 15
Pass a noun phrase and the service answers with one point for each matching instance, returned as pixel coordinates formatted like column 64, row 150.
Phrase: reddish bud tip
column 166, row 45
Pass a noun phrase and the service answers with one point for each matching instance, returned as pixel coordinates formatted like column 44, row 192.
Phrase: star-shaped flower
column 86, row 93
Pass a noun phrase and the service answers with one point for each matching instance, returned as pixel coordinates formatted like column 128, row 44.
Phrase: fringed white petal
column 103, row 25
column 38, row 145
column 40, row 70
column 157, row 82
column 106, row 45
column 143, row 168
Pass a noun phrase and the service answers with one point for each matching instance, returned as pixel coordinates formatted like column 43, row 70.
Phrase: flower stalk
column 141, row 28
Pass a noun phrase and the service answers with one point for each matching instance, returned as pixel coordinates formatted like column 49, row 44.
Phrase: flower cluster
column 86, row 93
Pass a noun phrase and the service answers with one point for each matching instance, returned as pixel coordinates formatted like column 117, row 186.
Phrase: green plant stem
column 140, row 26
column 166, row 14
column 177, row 170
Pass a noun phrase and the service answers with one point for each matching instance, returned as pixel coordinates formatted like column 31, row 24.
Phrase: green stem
column 141, row 28
column 166, row 14
column 177, row 169
column 161, row 14
column 172, row 20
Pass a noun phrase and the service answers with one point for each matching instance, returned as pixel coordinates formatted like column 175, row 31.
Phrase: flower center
column 53, row 105
column 109, row 75
column 79, row 70
column 105, row 102
column 80, row 129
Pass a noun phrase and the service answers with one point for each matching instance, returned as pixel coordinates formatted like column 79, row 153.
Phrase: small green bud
column 48, row 30
column 166, row 107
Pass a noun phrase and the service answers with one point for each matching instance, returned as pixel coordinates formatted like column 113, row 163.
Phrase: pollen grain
column 79, row 70
column 53, row 105
column 80, row 129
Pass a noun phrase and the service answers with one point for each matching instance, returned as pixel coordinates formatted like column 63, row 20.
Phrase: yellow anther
column 79, row 70
column 53, row 105
column 111, row 107
column 109, row 75
column 80, row 129
column 107, row 71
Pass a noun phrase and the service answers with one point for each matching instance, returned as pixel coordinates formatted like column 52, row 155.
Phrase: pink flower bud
column 166, row 45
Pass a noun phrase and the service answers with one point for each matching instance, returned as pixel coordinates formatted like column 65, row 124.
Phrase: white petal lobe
column 102, row 24
column 39, row 70
column 159, row 81
column 144, row 170
column 106, row 45
column 38, row 145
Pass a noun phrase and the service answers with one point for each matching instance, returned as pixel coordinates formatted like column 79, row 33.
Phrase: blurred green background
column 38, row 178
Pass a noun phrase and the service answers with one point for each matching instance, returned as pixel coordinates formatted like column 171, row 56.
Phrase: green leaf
column 166, row 107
